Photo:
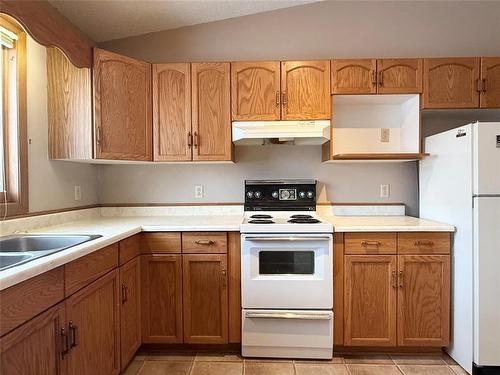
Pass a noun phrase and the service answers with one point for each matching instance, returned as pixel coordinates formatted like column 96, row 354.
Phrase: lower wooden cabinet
column 205, row 299
column 161, row 285
column 424, row 300
column 370, row 300
column 130, row 310
column 35, row 347
column 94, row 328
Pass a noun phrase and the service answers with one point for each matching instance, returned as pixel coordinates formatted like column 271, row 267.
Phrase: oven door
column 286, row 271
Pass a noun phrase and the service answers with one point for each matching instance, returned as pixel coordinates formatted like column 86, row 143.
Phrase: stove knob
column 274, row 194
column 310, row 194
column 285, row 194
column 302, row 194
column 258, row 194
column 250, row 194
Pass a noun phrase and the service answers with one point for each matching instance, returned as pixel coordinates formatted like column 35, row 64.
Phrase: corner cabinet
column 122, row 107
column 211, row 114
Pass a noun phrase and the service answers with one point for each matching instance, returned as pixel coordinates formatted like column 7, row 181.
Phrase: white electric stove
column 284, row 222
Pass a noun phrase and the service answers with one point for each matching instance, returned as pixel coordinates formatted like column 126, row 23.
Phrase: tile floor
column 204, row 363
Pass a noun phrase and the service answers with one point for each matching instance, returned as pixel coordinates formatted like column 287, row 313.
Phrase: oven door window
column 286, row 262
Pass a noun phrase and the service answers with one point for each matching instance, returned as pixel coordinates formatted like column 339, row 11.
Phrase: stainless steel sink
column 19, row 249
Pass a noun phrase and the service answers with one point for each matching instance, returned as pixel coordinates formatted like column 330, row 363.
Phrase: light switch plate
column 385, row 135
column 78, row 193
column 385, row 191
column 198, row 191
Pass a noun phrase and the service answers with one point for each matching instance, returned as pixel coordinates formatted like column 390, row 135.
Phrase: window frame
column 14, row 200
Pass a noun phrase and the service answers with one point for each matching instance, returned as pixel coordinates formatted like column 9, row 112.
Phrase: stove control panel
column 262, row 195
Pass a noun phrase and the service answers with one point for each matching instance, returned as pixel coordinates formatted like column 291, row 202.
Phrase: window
column 13, row 141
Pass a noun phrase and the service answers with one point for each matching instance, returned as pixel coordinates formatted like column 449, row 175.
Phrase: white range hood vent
column 314, row 132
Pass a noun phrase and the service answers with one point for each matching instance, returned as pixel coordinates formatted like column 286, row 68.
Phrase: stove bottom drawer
column 287, row 333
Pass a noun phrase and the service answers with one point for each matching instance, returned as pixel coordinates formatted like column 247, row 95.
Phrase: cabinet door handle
column 284, row 98
column 195, row 140
column 380, row 79
column 64, row 342
column 483, row 85
column 479, row 84
column 424, row 243
column 224, row 277
column 277, row 98
column 371, row 243
column 205, row 242
column 190, row 140
column 98, row 135
column 374, row 78
column 124, row 294
column 72, row 331
column 401, row 276
column 393, row 279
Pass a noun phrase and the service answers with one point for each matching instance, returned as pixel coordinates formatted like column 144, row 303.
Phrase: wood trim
column 49, row 28
column 359, row 203
column 167, row 204
column 21, row 302
column 234, row 282
column 338, row 288
column 55, row 211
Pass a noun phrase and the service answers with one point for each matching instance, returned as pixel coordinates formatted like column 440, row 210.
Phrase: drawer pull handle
column 72, row 330
column 424, row 243
column 205, row 242
column 301, row 316
column 371, row 243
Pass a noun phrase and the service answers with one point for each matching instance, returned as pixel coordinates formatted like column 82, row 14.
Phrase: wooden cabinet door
column 172, row 112
column 130, row 310
column 211, row 109
column 490, row 82
column 451, row 83
column 161, row 285
column 423, row 300
column 36, row 347
column 205, row 299
column 399, row 76
column 122, row 107
column 255, row 90
column 93, row 316
column 354, row 76
column 370, row 300
column 305, row 86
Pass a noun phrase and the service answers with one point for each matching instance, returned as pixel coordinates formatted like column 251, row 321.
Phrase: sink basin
column 19, row 249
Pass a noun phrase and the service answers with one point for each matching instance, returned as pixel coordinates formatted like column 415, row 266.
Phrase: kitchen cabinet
column 423, row 300
column 161, row 285
column 36, row 347
column 451, row 82
column 211, row 113
column 205, row 298
column 305, row 90
column 256, row 90
column 370, row 300
column 122, row 107
column 94, row 327
column 204, row 242
column 172, row 137
column 354, row 76
column 399, row 76
column 490, row 82
column 130, row 310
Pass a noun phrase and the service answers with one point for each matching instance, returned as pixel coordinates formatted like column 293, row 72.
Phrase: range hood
column 314, row 132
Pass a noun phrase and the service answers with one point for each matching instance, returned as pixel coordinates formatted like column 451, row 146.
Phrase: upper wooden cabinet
column 305, row 90
column 451, row 83
column 122, row 107
column 172, row 139
column 399, row 76
column 490, row 82
column 211, row 122
column 354, row 76
column 383, row 76
column 255, row 90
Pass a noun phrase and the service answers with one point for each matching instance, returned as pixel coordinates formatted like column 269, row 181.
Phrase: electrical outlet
column 385, row 191
column 385, row 135
column 198, row 191
column 78, row 193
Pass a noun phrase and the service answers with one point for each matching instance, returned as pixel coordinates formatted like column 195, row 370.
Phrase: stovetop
column 284, row 222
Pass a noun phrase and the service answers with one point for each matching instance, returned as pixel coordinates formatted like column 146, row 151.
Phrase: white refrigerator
column 459, row 184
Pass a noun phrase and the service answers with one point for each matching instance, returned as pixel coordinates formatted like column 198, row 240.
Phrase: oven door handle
column 282, row 315
column 251, row 238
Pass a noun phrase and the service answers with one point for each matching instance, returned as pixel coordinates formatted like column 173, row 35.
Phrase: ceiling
column 113, row 19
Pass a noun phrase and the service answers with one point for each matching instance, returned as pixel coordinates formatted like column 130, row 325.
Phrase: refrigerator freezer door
column 487, row 281
column 486, row 158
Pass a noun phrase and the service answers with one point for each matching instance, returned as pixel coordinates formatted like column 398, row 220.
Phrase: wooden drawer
column 129, row 248
column 424, row 243
column 161, row 243
column 204, row 242
column 83, row 271
column 370, row 243
column 23, row 301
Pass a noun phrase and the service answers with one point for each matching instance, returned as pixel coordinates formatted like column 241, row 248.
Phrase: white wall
column 51, row 183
